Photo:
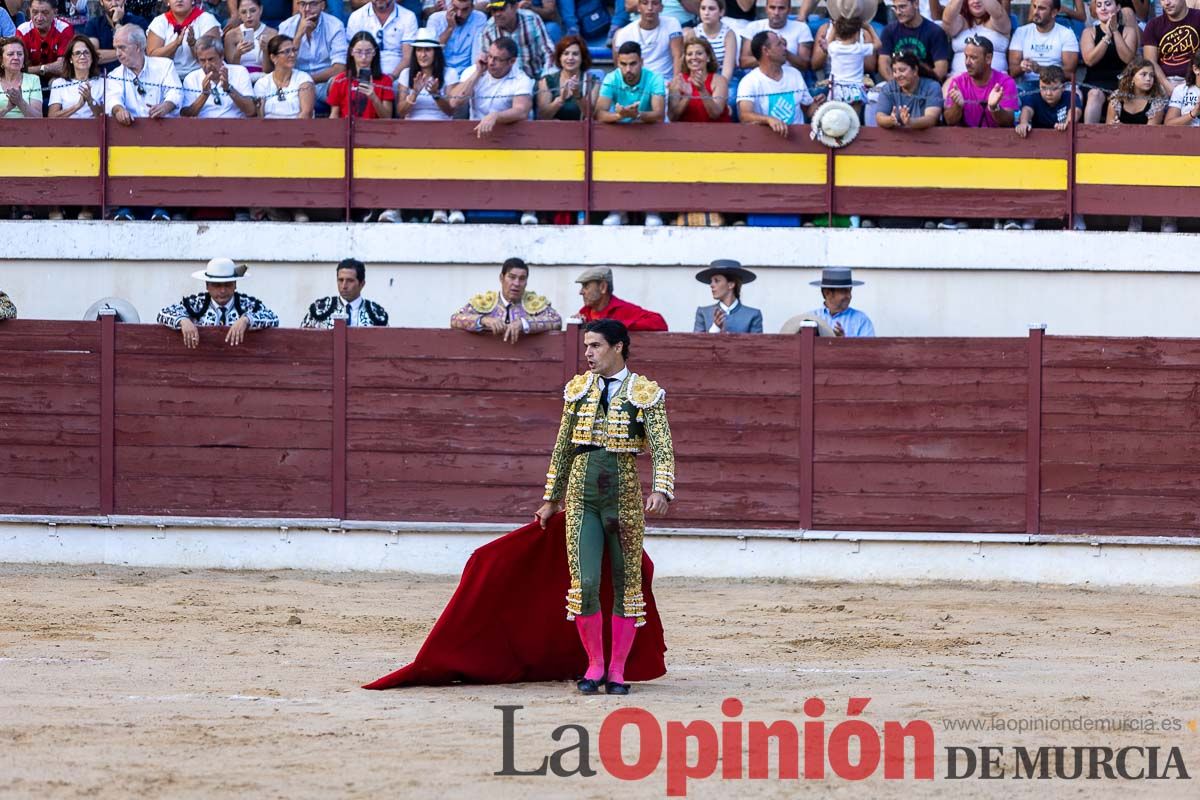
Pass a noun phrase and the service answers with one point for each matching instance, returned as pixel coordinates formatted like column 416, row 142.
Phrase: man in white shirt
column 660, row 38
column 217, row 89
column 143, row 86
column 774, row 93
column 1041, row 43
column 393, row 27
column 796, row 35
column 320, row 41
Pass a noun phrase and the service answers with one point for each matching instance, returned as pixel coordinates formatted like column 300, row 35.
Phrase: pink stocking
column 591, row 633
column 622, row 641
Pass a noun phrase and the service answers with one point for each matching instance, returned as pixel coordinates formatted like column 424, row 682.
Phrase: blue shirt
column 324, row 47
column 7, row 28
column 622, row 94
column 459, row 46
column 853, row 321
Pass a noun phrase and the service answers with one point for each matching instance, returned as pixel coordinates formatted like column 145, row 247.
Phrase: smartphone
column 247, row 34
column 364, row 75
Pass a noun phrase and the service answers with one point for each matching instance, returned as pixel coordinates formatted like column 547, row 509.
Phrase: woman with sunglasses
column 81, row 93
column 245, row 43
column 20, row 91
column 362, row 89
column 283, row 92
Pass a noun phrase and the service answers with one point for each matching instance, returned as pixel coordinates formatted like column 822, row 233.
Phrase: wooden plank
column 272, row 344
column 973, row 446
column 502, row 409
column 1121, row 447
column 419, row 344
column 913, row 353
column 958, row 384
column 1120, row 510
column 673, row 197
column 57, row 191
column 451, row 374
column 16, row 398
column 228, row 192
column 264, row 402
column 68, row 431
column 918, row 416
column 732, row 382
column 1166, row 416
column 715, row 352
column 65, row 132
column 1102, row 383
column 962, row 203
column 226, row 432
column 1158, row 140
column 1126, row 479
column 712, row 139
column 1154, row 201
column 20, row 494
column 49, row 461
column 281, row 463
column 198, row 370
column 539, row 135
column 920, row 478
column 1111, row 353
column 273, row 133
column 54, row 368
column 239, row 496
column 489, row 194
column 49, row 335
column 945, row 142
column 920, row 512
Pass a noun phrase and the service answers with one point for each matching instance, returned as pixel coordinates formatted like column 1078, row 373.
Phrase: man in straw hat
column 725, row 278
column 220, row 304
column 836, row 312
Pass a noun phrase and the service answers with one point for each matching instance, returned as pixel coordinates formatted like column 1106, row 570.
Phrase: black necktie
column 604, row 393
column 508, row 313
column 224, row 311
column 349, row 316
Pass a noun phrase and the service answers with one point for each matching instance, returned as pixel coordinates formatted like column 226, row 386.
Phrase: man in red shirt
column 46, row 36
column 599, row 303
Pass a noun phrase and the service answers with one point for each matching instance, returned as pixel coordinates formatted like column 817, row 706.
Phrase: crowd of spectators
column 501, row 62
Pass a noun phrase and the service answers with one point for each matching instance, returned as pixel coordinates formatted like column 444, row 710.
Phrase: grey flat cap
column 596, row 274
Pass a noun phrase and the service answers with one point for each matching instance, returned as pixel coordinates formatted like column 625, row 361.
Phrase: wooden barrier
column 561, row 166
column 1055, row 435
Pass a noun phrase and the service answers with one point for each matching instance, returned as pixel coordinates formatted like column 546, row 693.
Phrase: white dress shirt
column 390, row 36
column 158, row 83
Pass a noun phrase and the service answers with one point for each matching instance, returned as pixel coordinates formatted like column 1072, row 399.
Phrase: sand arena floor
column 125, row 683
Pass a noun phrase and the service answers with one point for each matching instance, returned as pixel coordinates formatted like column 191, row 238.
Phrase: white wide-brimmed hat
column 835, row 124
column 220, row 270
column 426, row 38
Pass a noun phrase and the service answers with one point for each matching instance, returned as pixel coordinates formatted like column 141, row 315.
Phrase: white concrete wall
column 918, row 283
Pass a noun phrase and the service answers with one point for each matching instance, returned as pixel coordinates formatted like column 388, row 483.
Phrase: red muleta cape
column 506, row 622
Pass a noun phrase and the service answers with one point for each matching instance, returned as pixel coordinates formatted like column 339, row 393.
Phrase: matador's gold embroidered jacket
column 637, row 417
column 534, row 311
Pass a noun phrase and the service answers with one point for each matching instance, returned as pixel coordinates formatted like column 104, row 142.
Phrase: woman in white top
column 425, row 93
column 716, row 31
column 81, row 94
column 963, row 19
column 245, row 43
column 1184, row 106
column 174, row 33
column 283, row 91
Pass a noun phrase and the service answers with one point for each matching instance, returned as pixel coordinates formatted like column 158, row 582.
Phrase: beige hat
column 220, row 270
column 596, row 274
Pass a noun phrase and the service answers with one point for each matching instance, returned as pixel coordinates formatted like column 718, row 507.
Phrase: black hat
column 835, row 278
column 727, row 267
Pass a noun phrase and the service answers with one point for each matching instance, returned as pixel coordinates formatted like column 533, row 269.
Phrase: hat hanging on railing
column 835, row 124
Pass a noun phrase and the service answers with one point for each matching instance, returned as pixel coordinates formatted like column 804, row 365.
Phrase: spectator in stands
column 220, row 304
column 913, row 32
column 217, row 89
column 966, row 20
column 525, row 29
column 393, row 28
column 7, row 26
column 22, row 91
column 1170, row 42
column 46, row 37
column 512, row 311
column 983, row 96
column 774, row 93
column 725, row 278
column 8, row 309
column 362, row 89
column 1040, row 44
column 846, row 48
column 548, row 10
column 424, row 92
column 458, row 27
column 796, row 36
column 284, row 92
column 320, row 41
column 174, row 33
column 565, row 93
column 1106, row 47
column 631, row 94
column 659, row 39
column 908, row 101
column 1139, row 100
column 698, row 93
column 1049, row 109
column 142, row 86
column 100, row 30
column 348, row 304
column 836, row 290
column 1184, row 106
column 720, row 36
column 246, row 44
column 600, row 303
column 80, row 94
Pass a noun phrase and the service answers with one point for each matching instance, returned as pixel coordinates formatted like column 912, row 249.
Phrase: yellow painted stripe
column 945, row 172
column 226, row 162
column 1120, row 169
column 49, row 162
column 745, row 168
column 468, row 164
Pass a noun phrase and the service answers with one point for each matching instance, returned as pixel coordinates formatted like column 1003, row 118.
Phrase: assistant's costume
column 324, row 311
column 534, row 311
column 201, row 310
column 7, row 309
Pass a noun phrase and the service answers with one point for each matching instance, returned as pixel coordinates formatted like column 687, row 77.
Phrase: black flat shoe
column 612, row 687
column 589, row 685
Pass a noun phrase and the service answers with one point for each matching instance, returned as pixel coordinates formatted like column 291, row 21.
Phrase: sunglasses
column 137, row 84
